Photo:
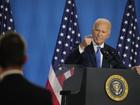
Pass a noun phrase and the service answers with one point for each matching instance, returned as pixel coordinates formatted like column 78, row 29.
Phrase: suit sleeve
column 74, row 58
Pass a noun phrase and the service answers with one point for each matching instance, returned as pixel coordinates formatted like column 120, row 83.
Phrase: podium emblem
column 116, row 87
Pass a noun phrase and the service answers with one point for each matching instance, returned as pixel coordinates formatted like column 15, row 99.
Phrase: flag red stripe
column 54, row 98
column 61, row 79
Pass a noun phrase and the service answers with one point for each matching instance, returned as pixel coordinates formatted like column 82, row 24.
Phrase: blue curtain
column 39, row 21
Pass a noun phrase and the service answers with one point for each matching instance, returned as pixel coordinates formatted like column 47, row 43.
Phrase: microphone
column 110, row 56
column 106, row 53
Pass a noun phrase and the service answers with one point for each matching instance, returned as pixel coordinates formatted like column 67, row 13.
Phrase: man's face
column 101, row 32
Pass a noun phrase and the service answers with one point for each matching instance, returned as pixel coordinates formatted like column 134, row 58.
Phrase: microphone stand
column 106, row 54
column 65, row 94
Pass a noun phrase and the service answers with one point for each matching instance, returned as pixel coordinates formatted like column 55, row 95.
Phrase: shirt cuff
column 81, row 50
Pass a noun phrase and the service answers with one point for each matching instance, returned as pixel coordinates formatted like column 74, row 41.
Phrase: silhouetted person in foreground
column 14, row 88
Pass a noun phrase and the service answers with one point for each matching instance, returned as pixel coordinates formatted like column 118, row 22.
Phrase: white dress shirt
column 10, row 72
column 95, row 49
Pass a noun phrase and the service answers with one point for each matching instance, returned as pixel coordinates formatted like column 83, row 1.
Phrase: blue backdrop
column 39, row 21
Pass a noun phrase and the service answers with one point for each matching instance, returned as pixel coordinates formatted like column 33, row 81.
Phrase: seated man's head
column 12, row 50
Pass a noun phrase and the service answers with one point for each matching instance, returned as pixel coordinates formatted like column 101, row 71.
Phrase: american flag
column 68, row 39
column 6, row 19
column 129, row 41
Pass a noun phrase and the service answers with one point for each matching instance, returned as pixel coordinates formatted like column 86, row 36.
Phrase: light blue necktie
column 98, row 57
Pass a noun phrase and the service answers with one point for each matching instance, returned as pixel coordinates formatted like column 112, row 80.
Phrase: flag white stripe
column 67, row 74
column 56, row 87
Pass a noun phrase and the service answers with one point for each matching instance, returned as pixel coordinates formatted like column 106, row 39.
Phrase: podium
column 91, row 86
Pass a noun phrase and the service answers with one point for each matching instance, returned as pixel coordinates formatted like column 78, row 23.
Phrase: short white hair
column 103, row 20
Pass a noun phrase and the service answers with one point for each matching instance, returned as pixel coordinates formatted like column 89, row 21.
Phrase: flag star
column 69, row 2
column 130, row 6
column 65, row 18
column 5, row 17
column 70, row 28
column 1, row 6
column 0, row 15
column 138, row 38
column 129, row 65
column 121, row 38
column 130, row 32
column 62, row 60
column 64, row 52
column 11, row 20
column 134, row 27
column 76, row 16
column 76, row 42
column 133, row 43
column 119, row 45
column 64, row 26
column 133, row 9
column 55, row 58
column 60, row 68
column 128, row 40
column 126, row 47
column 131, row 58
column 132, row 24
column 123, row 62
column 137, row 45
column 118, row 53
column 128, row 14
column 4, row 25
column 61, row 34
column 135, row 60
column 71, row 48
column 68, row 37
column 66, row 44
column 57, row 50
column 79, row 35
column 133, row 35
column 132, row 50
column 7, row 1
column 6, row 9
column 124, row 55
column 71, row 40
column 71, row 13
column 136, row 53
column 67, row 10
column 59, row 42
column 73, row 5
column 135, row 20
column 73, row 32
column 9, row 28
column 125, row 22
column 124, row 30
column 75, row 24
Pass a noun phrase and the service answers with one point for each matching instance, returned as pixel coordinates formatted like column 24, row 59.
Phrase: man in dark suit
column 86, row 53
column 14, row 88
